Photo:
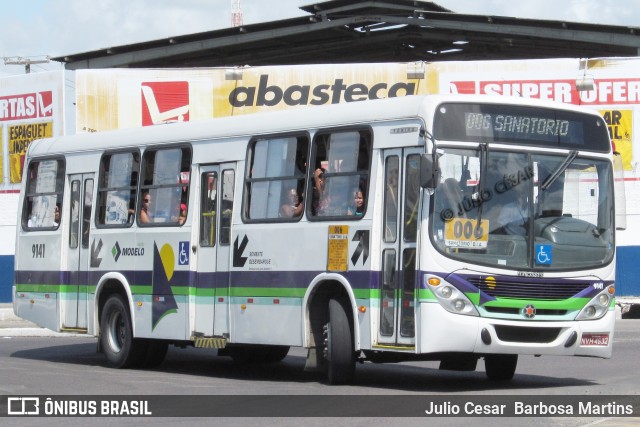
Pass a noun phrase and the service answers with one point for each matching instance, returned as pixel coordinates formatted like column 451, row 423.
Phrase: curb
column 14, row 326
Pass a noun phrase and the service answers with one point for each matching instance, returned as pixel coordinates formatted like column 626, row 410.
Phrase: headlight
column 598, row 306
column 450, row 298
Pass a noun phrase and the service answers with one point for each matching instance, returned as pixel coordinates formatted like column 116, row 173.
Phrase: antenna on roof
column 236, row 13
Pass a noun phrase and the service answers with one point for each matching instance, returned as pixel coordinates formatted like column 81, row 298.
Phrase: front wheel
column 500, row 367
column 339, row 350
column 116, row 335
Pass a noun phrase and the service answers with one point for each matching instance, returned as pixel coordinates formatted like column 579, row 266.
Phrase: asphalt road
column 54, row 365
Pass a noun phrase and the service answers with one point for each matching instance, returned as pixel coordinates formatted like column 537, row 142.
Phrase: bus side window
column 208, row 208
column 86, row 212
column 74, row 214
column 165, row 178
column 412, row 197
column 226, row 207
column 276, row 167
column 45, row 184
column 342, row 162
column 117, row 188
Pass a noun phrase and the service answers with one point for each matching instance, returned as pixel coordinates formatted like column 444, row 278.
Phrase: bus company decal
column 118, row 251
column 163, row 302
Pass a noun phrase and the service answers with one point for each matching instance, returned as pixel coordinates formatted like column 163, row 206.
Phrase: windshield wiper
column 559, row 170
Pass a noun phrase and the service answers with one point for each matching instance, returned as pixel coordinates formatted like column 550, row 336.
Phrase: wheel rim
column 117, row 332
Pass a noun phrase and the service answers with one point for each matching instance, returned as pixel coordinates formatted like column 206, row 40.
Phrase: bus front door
column 399, row 236
column 214, row 228
column 78, row 215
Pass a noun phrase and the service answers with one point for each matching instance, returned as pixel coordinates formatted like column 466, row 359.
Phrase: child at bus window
column 292, row 206
column 358, row 207
column 145, row 214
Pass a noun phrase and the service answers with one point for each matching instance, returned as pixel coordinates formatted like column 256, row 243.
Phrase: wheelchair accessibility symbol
column 543, row 254
column 183, row 253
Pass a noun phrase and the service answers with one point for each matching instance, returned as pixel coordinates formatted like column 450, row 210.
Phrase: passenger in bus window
column 56, row 215
column 131, row 211
column 183, row 214
column 358, row 207
column 292, row 206
column 319, row 199
column 145, row 215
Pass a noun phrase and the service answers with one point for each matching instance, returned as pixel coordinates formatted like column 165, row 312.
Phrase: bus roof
column 264, row 123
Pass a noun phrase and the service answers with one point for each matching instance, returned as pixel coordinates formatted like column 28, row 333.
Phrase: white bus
column 448, row 228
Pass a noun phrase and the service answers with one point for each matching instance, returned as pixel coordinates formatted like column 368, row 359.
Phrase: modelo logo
column 269, row 96
column 117, row 252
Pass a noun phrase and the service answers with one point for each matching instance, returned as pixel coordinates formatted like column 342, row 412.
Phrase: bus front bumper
column 442, row 331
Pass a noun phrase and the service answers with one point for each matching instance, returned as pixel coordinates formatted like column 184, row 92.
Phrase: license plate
column 595, row 339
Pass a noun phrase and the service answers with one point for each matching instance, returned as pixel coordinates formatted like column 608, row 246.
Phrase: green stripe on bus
column 567, row 304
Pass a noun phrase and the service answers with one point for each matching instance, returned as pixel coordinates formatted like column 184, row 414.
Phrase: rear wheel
column 116, row 335
column 339, row 351
column 500, row 367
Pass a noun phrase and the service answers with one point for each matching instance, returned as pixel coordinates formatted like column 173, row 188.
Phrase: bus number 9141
column 37, row 250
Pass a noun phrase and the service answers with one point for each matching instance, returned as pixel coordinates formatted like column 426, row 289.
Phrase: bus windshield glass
column 526, row 211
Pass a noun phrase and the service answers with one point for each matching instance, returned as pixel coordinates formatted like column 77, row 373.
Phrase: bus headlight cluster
column 598, row 306
column 450, row 298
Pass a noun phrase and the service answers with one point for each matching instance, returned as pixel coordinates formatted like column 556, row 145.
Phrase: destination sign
column 521, row 125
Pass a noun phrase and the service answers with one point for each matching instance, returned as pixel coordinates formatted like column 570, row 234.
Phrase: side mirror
column 429, row 171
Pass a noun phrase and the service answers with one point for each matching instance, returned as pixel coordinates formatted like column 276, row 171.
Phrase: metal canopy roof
column 346, row 31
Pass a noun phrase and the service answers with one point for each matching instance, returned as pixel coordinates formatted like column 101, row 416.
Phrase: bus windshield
column 525, row 211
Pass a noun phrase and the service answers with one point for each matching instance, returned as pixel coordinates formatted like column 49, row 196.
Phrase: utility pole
column 27, row 62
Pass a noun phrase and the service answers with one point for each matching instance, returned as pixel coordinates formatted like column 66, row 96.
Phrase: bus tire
column 116, row 335
column 339, row 350
column 500, row 367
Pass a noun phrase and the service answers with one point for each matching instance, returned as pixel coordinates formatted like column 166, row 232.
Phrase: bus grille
column 528, row 335
column 527, row 290
column 514, row 311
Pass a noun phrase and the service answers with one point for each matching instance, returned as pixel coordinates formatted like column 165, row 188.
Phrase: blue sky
column 37, row 28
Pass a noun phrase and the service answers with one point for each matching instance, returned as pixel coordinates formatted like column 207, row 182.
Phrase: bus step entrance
column 73, row 330
column 209, row 342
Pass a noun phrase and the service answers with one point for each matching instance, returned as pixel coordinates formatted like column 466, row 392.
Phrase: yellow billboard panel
column 117, row 99
column 620, row 123
column 20, row 136
column 258, row 89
